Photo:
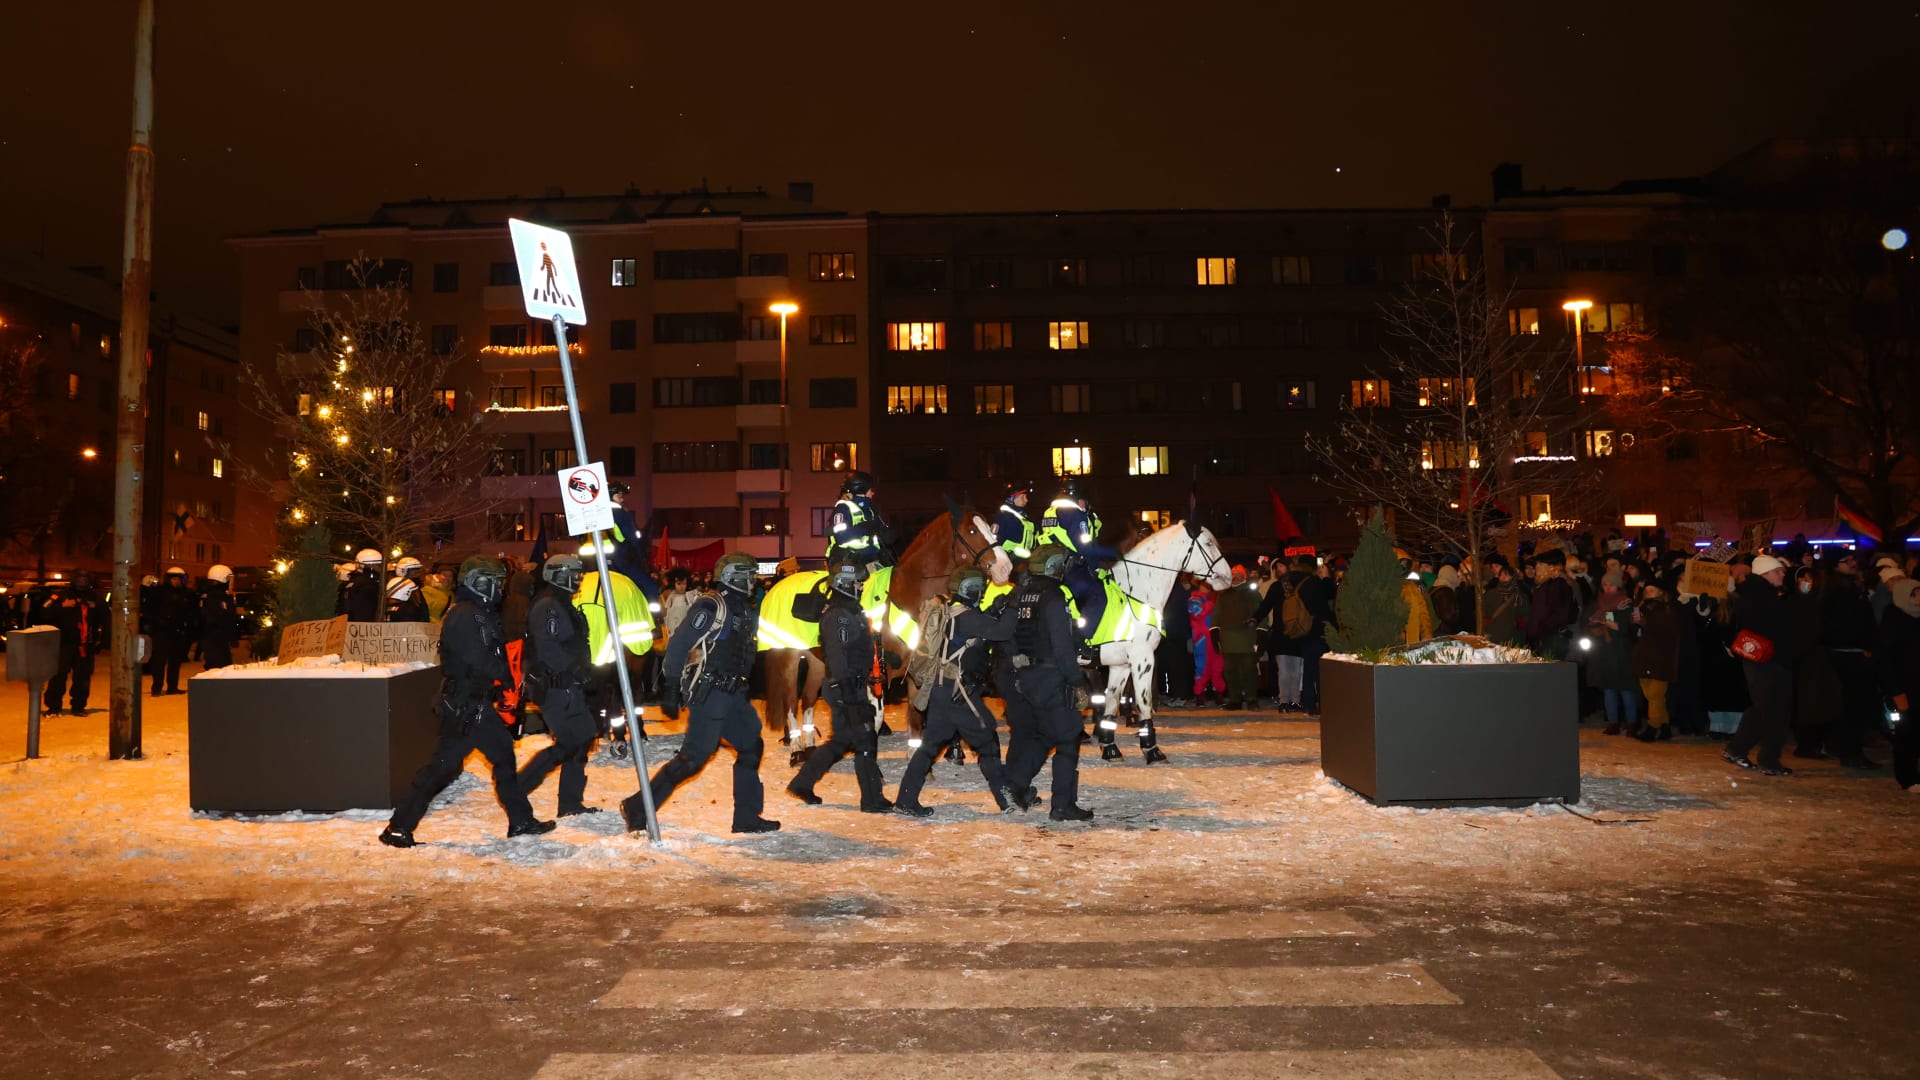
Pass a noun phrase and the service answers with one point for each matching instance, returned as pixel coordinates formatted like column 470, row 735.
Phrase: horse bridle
column 1193, row 543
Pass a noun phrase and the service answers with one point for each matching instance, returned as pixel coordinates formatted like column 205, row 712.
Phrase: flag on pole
column 539, row 554
column 662, row 555
column 1862, row 526
column 1284, row 527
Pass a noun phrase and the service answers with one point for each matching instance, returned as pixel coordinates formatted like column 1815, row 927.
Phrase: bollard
column 33, row 656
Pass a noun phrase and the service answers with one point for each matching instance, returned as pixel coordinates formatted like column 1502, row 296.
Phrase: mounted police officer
column 558, row 671
column 626, row 548
column 1071, row 523
column 847, row 643
column 954, row 705
column 856, row 527
column 473, row 674
column 1013, row 530
column 1047, row 675
column 406, row 599
column 723, row 629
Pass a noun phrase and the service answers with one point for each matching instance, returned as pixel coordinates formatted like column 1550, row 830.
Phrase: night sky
column 277, row 114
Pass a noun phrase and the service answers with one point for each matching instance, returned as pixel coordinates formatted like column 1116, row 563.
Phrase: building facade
column 194, row 501
column 678, row 371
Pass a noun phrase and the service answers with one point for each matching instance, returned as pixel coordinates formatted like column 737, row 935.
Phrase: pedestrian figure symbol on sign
column 550, row 292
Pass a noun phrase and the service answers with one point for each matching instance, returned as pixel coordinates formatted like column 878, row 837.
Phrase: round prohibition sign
column 582, row 487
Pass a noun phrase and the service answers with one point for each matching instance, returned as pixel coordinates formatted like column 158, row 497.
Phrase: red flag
column 662, row 555
column 1284, row 527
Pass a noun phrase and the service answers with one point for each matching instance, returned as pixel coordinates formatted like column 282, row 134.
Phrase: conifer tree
column 1372, row 613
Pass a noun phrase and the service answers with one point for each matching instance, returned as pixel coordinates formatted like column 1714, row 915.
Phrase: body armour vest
column 730, row 653
column 1030, row 605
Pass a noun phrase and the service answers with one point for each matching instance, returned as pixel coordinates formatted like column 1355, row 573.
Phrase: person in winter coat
column 1554, row 608
column 438, row 593
column 1896, row 658
column 171, row 623
column 1173, row 659
column 219, row 618
column 1764, row 611
column 82, row 620
column 1609, row 656
column 521, row 586
column 1235, row 639
column 1506, row 604
column 1656, row 657
column 1209, row 670
column 1320, row 593
column 1847, row 632
column 1816, row 691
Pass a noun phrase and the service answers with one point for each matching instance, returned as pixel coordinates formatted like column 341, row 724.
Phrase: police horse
column 1130, row 626
column 890, row 600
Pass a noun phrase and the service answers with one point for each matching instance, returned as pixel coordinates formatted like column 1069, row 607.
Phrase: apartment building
column 1162, row 357
column 194, row 501
column 678, row 371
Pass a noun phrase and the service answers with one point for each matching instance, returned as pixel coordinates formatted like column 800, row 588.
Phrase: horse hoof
column 1155, row 755
column 1110, row 752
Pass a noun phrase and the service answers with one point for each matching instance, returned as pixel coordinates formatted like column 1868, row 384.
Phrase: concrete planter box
column 1452, row 735
column 275, row 743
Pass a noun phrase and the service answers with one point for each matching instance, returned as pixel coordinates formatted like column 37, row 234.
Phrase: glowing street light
column 1894, row 239
column 1577, row 307
column 783, row 308
column 89, row 453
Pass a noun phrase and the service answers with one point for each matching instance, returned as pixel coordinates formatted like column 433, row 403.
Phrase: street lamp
column 783, row 308
column 1579, row 345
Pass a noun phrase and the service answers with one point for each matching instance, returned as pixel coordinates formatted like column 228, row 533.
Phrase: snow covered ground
column 1242, row 810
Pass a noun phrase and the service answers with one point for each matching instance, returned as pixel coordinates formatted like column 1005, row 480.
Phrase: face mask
column 1806, row 586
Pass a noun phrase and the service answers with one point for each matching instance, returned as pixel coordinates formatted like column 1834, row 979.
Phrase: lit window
column 1297, row 395
column 992, row 400
column 1157, row 519
column 1067, row 335
column 830, row 266
column 1526, row 383
column 1147, row 461
column 834, row 457
column 1445, row 392
column 1445, row 454
column 200, row 421
column 992, row 336
column 106, row 346
column 73, row 387
column 1536, row 507
column 1068, row 272
column 1072, row 460
column 909, row 400
column 1215, row 271
column 1599, row 443
column 306, row 404
column 1523, row 320
column 624, row 274
column 916, row 336
column 219, row 468
column 447, row 397
column 1370, row 393
column 1292, row 270
column 1536, row 443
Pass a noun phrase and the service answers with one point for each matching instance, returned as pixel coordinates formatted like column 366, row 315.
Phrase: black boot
column 756, row 825
column 400, row 838
column 1071, row 813
column 529, row 827
column 911, row 810
column 805, row 795
column 1002, row 799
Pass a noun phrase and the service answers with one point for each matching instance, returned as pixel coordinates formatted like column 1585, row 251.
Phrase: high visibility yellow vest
column 636, row 616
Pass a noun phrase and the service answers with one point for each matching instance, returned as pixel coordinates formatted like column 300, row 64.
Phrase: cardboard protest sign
column 392, row 643
column 1704, row 577
column 320, row 637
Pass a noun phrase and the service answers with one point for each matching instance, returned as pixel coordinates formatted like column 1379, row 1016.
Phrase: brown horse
column 921, row 573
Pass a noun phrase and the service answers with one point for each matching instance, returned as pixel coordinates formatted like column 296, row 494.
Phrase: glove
column 1082, row 700
column 670, row 703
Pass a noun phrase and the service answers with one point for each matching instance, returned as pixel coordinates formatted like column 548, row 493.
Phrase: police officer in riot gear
column 219, row 618
column 1047, row 676
column 406, row 599
column 856, row 527
column 708, row 659
column 364, row 594
column 172, row 619
column 954, row 705
column 558, row 671
column 473, row 674
column 847, row 643
column 1013, row 530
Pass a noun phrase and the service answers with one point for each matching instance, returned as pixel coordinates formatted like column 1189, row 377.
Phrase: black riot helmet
column 967, row 585
column 846, row 575
column 563, row 571
column 1070, row 488
column 1050, row 561
column 857, row 483
column 485, row 577
column 618, row 488
column 735, row 571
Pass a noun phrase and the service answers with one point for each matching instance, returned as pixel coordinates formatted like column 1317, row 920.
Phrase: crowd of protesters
column 1813, row 653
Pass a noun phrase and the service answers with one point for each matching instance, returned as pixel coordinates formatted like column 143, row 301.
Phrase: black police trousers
column 723, row 715
column 947, row 718
column 852, row 734
column 484, row 733
column 1056, row 730
column 572, row 727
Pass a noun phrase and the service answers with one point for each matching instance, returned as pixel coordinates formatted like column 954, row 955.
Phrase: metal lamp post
column 1578, row 307
column 783, row 309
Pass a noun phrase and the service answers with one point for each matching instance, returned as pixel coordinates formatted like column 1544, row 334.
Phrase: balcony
column 758, row 352
column 762, row 288
column 757, row 416
column 511, row 358
column 502, row 298
column 301, row 301
column 757, row 481
column 529, row 420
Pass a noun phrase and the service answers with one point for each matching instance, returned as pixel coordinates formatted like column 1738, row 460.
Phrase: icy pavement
column 1242, row 804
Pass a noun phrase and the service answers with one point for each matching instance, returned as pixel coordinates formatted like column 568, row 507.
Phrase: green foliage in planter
column 309, row 589
column 1373, row 614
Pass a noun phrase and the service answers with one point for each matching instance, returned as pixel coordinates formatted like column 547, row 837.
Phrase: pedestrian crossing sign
column 549, row 282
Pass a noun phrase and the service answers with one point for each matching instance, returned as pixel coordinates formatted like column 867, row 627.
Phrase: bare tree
column 374, row 438
column 1433, row 436
column 1802, row 355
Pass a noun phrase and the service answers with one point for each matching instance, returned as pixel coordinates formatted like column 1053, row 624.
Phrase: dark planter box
column 269, row 745
column 1452, row 735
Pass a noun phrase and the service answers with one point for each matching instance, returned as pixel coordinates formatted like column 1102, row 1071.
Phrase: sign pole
column 631, row 715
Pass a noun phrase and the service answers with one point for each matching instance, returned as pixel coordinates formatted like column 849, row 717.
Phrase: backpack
column 1295, row 619
column 936, row 655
